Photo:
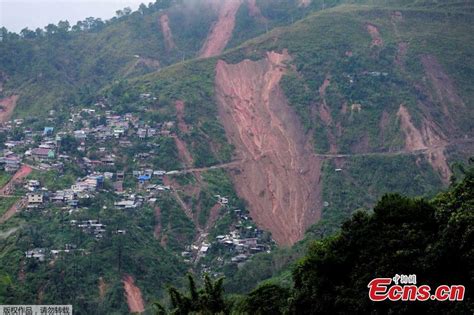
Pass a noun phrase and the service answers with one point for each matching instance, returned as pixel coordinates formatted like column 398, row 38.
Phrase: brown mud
column 279, row 174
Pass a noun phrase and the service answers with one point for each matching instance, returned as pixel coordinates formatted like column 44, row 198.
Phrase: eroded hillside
column 167, row 34
column 279, row 176
column 221, row 31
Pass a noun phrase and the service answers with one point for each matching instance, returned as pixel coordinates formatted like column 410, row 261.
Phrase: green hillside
column 382, row 93
column 403, row 236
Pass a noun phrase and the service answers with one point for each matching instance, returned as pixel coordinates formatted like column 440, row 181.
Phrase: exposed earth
column 165, row 28
column 133, row 295
column 221, row 31
column 279, row 174
column 7, row 105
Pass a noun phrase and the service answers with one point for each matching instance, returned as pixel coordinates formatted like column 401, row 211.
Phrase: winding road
column 237, row 163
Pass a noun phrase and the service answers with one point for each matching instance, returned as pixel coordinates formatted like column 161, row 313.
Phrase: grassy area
column 6, row 203
column 4, row 178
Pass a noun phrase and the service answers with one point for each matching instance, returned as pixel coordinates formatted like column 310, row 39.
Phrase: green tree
column 206, row 300
column 433, row 240
column 267, row 299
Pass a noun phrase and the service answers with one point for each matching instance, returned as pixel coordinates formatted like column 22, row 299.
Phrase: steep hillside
column 430, row 238
column 63, row 65
column 279, row 174
column 221, row 31
column 329, row 108
column 354, row 94
column 366, row 99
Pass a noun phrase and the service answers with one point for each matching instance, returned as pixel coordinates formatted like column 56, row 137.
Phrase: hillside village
column 117, row 154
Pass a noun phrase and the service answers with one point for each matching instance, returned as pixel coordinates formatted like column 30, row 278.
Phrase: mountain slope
column 355, row 98
column 65, row 65
column 302, row 125
column 358, row 95
column 279, row 175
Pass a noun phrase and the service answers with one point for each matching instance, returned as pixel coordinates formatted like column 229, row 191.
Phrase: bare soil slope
column 221, row 31
column 183, row 152
column 429, row 137
column 442, row 84
column 279, row 175
column 183, row 127
column 165, row 28
column 7, row 105
column 23, row 172
column 304, row 3
column 133, row 295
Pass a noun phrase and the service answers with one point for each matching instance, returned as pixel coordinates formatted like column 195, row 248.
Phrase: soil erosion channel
column 279, row 175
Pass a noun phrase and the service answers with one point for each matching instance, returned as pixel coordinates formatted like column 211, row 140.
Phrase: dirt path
column 183, row 152
column 233, row 164
column 7, row 233
column 426, row 150
column 279, row 174
column 221, row 31
column 7, row 106
column 167, row 34
column 142, row 62
column 17, row 206
column 188, row 211
column 133, row 295
column 23, row 172
column 410, row 149
column 182, row 126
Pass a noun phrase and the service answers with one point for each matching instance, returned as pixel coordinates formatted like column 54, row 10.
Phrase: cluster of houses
column 43, row 150
column 92, row 132
column 41, row 254
column 107, row 126
column 91, row 227
column 241, row 243
column 18, row 150
column 116, row 126
column 83, row 188
column 243, row 247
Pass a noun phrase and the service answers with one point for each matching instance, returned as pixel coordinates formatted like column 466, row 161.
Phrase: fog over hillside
column 16, row 15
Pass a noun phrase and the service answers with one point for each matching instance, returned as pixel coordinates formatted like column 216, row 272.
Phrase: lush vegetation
column 74, row 276
column 4, row 178
column 6, row 203
column 366, row 84
column 116, row 61
column 429, row 238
